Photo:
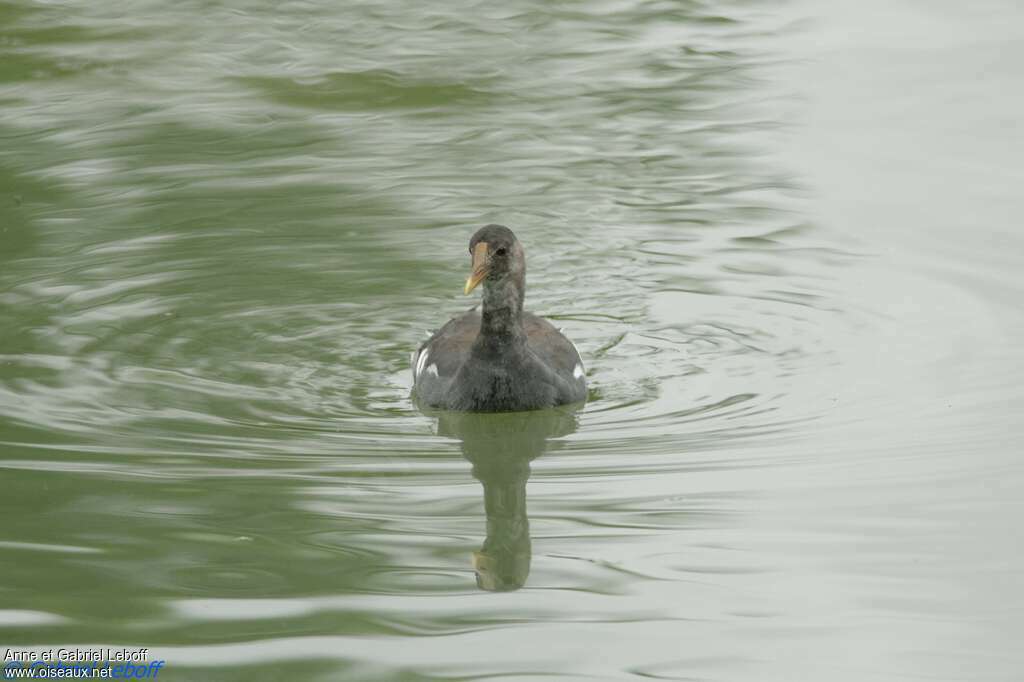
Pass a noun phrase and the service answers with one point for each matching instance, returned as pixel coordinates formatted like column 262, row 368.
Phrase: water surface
column 784, row 236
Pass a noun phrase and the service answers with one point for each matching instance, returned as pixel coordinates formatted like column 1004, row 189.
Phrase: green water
column 785, row 237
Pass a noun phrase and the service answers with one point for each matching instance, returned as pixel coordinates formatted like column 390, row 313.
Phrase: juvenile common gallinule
column 500, row 358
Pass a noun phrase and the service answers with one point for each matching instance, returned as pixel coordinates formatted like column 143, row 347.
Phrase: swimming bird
column 496, row 357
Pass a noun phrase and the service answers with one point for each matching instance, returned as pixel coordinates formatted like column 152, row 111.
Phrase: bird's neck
column 502, row 317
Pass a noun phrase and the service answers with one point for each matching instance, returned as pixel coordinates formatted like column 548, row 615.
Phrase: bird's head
column 498, row 259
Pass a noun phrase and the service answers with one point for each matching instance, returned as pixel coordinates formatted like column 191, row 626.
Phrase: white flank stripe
column 420, row 362
column 579, row 355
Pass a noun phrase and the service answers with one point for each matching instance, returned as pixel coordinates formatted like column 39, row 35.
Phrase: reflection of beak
column 486, row 577
column 479, row 267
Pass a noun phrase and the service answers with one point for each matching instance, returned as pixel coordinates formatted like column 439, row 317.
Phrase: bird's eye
column 500, row 251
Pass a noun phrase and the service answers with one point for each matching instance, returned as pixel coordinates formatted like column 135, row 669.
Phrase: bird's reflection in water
column 500, row 448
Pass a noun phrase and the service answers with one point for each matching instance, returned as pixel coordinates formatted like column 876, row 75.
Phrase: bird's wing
column 550, row 344
column 444, row 352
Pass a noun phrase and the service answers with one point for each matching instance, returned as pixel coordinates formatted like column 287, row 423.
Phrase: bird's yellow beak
column 479, row 267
